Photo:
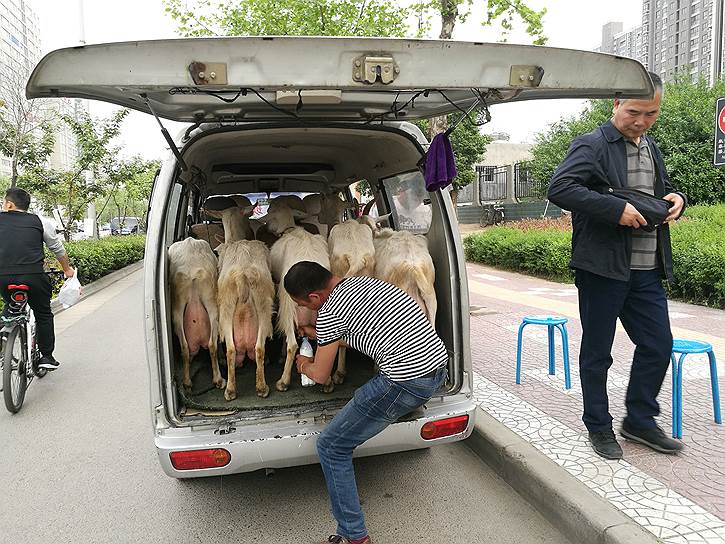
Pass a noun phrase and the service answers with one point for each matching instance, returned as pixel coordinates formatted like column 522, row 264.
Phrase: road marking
column 489, row 277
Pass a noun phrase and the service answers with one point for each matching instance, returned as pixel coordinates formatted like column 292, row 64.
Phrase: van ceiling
column 307, row 159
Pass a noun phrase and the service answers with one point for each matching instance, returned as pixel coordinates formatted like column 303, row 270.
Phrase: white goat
column 352, row 253
column 295, row 245
column 194, row 313
column 402, row 258
column 234, row 213
column 245, row 297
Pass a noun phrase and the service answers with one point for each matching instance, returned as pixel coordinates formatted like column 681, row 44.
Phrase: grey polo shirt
column 641, row 176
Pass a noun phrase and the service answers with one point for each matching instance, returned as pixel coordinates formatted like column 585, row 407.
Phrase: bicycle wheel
column 15, row 379
column 497, row 217
column 486, row 217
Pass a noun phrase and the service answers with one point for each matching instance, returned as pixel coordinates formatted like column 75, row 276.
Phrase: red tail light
column 444, row 427
column 19, row 297
column 196, row 459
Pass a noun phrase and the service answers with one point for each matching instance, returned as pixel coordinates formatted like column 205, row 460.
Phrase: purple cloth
column 440, row 164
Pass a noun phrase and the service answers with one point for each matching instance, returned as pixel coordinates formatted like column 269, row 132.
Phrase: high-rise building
column 684, row 36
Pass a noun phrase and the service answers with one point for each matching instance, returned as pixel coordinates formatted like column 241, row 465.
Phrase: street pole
column 90, row 228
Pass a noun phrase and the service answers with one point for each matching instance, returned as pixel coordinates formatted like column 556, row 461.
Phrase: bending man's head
column 309, row 284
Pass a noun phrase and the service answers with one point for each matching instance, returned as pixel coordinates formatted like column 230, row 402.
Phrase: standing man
column 619, row 268
column 22, row 235
column 364, row 313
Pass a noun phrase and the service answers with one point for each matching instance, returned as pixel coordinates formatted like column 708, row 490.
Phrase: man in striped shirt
column 384, row 323
column 620, row 267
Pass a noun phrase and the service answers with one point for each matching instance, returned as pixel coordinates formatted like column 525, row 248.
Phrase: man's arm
column 51, row 239
column 678, row 199
column 320, row 368
column 568, row 187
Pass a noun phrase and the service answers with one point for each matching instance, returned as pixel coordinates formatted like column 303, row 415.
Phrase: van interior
column 263, row 162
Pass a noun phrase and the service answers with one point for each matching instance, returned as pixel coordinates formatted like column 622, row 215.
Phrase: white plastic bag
column 70, row 293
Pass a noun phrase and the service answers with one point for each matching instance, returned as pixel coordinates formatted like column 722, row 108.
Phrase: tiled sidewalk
column 679, row 498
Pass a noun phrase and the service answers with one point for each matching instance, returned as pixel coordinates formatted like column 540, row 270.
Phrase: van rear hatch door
column 346, row 79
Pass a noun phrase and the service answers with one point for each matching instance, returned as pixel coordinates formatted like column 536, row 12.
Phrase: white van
column 308, row 115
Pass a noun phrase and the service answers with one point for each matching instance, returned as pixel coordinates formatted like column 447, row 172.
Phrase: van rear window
column 409, row 202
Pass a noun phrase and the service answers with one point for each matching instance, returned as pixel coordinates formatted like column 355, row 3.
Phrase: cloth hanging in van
column 440, row 164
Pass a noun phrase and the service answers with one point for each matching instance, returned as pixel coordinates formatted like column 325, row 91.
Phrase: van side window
column 409, row 202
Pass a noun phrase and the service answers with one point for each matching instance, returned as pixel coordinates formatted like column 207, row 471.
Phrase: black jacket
column 596, row 162
column 21, row 243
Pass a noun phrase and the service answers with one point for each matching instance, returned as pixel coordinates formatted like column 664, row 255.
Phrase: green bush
column 97, row 258
column 698, row 253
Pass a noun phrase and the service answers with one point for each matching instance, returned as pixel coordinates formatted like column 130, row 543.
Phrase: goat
column 402, row 258
column 245, row 297
column 234, row 213
column 194, row 312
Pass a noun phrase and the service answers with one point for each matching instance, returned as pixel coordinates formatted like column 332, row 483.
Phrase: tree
column 69, row 192
column 684, row 132
column 26, row 129
column 130, row 182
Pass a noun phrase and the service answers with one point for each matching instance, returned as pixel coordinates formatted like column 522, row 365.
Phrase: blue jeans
column 641, row 305
column 374, row 406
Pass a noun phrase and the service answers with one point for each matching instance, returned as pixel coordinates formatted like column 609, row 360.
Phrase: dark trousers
column 39, row 296
column 641, row 306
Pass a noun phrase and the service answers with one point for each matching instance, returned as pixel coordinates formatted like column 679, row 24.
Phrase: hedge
column 698, row 248
column 97, row 258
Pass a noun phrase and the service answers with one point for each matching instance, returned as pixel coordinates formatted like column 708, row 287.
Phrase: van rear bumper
column 288, row 444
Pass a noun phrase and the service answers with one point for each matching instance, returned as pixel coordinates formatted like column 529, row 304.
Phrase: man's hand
column 308, row 331
column 69, row 272
column 677, row 204
column 631, row 217
column 301, row 360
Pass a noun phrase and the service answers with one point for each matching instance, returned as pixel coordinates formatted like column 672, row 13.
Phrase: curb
column 99, row 284
column 581, row 514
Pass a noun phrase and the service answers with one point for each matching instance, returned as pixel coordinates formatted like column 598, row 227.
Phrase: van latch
column 208, row 73
column 225, row 428
column 369, row 69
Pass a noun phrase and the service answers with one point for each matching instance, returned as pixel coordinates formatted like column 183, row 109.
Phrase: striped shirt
column 641, row 176
column 384, row 323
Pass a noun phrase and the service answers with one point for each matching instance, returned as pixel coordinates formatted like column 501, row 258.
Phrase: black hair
column 657, row 82
column 19, row 197
column 305, row 277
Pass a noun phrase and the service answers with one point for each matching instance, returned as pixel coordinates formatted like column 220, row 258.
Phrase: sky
column 575, row 24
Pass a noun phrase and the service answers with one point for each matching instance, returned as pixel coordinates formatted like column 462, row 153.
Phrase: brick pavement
column 679, row 498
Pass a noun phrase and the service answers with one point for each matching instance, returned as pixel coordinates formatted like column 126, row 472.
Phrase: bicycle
column 492, row 214
column 19, row 352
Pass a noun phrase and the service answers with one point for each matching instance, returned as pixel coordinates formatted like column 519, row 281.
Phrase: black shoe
column 48, row 363
column 605, row 444
column 653, row 438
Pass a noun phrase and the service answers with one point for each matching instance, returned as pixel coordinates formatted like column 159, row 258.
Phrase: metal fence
column 491, row 183
column 525, row 186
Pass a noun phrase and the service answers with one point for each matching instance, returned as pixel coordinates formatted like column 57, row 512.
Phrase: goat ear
column 385, row 218
column 247, row 210
column 218, row 238
column 213, row 213
column 299, row 213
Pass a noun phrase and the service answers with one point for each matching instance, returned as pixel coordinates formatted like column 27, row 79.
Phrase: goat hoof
column 263, row 392
column 187, row 386
column 221, row 383
column 229, row 394
column 338, row 378
column 281, row 386
column 328, row 388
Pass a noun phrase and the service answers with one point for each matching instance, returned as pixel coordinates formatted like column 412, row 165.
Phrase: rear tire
column 486, row 217
column 15, row 378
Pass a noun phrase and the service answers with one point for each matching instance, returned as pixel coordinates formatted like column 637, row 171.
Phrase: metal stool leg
column 679, row 395
column 715, row 387
column 518, row 353
column 565, row 354
column 552, row 355
column 674, row 395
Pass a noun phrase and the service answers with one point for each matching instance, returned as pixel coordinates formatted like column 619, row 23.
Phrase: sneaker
column 48, row 363
column 654, row 438
column 337, row 539
column 605, row 444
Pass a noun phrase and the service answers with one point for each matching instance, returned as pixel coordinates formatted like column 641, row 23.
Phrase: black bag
column 653, row 208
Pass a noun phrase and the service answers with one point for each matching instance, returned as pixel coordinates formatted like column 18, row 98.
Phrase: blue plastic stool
column 685, row 347
column 551, row 322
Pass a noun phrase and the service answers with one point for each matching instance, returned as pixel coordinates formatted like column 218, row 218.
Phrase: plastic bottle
column 306, row 351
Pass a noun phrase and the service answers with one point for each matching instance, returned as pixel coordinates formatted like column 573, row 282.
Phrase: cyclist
column 21, row 261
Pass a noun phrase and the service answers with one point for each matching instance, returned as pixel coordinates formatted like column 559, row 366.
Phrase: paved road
column 78, row 465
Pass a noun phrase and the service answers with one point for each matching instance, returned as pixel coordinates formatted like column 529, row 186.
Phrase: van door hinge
column 370, row 69
column 208, row 73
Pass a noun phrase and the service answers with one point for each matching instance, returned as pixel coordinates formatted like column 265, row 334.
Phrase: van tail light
column 196, row 459
column 444, row 427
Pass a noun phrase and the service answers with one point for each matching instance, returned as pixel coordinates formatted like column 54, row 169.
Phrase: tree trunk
column 14, row 174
